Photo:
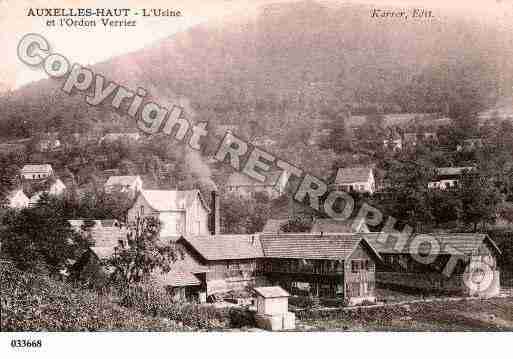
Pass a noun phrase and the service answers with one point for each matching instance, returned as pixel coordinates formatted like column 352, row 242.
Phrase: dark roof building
column 226, row 247
column 312, row 246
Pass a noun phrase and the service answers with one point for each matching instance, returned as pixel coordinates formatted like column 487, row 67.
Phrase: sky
column 91, row 45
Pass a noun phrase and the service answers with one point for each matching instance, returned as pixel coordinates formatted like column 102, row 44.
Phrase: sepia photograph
column 272, row 171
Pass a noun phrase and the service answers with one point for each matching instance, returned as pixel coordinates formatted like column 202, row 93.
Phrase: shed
column 272, row 300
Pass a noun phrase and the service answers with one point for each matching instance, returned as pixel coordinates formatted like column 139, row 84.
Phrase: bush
column 153, row 301
column 31, row 302
column 301, row 302
column 241, row 317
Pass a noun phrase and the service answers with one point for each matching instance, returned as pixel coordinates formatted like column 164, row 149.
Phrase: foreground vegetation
column 32, row 302
column 465, row 315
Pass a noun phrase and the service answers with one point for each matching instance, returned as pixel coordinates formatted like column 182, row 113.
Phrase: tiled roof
column 328, row 225
column 451, row 243
column 310, row 246
column 352, row 175
column 271, row 292
column 121, row 180
column 104, row 233
column 176, row 278
column 274, row 225
column 220, row 247
column 161, row 200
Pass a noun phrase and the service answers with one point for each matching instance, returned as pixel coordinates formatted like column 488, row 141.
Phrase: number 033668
column 26, row 343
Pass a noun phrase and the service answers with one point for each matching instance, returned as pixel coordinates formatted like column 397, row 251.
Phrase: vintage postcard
column 255, row 166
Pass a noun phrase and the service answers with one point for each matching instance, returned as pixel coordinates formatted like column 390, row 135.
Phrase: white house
column 31, row 172
column 448, row 177
column 355, row 179
column 131, row 184
column 17, row 199
column 180, row 212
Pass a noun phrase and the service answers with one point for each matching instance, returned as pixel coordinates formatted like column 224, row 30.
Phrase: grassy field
column 467, row 315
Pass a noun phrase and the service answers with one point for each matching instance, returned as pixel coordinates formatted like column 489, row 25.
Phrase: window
column 142, row 210
column 355, row 266
column 355, row 289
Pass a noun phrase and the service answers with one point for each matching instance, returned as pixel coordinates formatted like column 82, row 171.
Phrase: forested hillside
column 291, row 62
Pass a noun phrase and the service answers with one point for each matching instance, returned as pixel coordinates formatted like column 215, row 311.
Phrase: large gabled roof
column 225, row 246
column 312, row 246
column 353, row 174
column 162, row 200
column 448, row 243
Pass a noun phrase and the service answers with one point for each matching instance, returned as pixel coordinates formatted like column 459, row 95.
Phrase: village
column 332, row 264
column 297, row 166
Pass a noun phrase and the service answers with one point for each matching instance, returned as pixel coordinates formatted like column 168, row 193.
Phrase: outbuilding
column 272, row 309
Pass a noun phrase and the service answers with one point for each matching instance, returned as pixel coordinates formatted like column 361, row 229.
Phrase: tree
column 243, row 215
column 127, row 167
column 340, row 136
column 9, row 180
column 40, row 236
column 479, row 199
column 408, row 196
column 141, row 255
column 298, row 224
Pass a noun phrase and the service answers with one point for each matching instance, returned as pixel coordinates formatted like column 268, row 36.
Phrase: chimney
column 215, row 219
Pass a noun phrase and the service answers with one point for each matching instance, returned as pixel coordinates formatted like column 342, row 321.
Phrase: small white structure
column 17, row 199
column 272, row 309
column 448, row 177
column 34, row 172
column 130, row 184
column 355, row 179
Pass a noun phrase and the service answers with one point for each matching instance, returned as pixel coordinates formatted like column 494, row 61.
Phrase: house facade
column 334, row 266
column 180, row 212
column 231, row 261
column 35, row 172
column 448, row 177
column 355, row 179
